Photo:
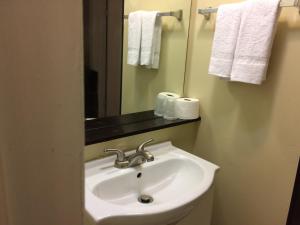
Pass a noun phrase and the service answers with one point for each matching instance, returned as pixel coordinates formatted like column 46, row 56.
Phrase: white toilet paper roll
column 169, row 108
column 161, row 102
column 187, row 108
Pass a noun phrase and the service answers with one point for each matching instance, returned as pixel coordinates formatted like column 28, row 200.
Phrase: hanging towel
column 255, row 41
column 151, row 39
column 134, row 37
column 156, row 43
column 225, row 39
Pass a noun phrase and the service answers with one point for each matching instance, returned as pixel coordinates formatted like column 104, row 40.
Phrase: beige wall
column 41, row 111
column 250, row 131
column 140, row 86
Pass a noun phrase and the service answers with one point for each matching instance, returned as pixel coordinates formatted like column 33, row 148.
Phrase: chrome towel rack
column 177, row 14
column 206, row 12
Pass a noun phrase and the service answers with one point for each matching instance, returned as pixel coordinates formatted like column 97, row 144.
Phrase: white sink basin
column 175, row 180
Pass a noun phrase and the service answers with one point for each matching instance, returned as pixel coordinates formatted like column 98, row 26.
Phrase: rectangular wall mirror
column 114, row 88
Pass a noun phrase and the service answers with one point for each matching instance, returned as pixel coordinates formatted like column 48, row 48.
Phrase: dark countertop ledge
column 110, row 128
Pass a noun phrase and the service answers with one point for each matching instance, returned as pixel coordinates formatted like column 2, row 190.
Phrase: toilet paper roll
column 169, row 109
column 187, row 108
column 161, row 100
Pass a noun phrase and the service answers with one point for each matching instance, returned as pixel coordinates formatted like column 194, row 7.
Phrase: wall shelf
column 110, row 128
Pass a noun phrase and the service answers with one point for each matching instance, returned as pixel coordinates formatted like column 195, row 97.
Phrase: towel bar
column 177, row 14
column 206, row 12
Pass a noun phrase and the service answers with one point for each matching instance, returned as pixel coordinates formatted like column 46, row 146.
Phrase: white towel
column 225, row 39
column 151, row 40
column 255, row 41
column 156, row 43
column 134, row 37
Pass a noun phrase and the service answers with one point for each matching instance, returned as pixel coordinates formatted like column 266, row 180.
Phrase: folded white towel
column 225, row 39
column 255, row 41
column 151, row 39
column 156, row 43
column 134, row 37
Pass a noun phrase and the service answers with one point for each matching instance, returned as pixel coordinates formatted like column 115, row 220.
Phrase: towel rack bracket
column 178, row 14
column 207, row 12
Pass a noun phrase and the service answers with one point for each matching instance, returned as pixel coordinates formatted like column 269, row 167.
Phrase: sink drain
column 145, row 199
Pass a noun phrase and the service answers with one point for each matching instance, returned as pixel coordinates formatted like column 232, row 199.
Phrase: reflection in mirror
column 140, row 85
column 103, row 33
column 113, row 84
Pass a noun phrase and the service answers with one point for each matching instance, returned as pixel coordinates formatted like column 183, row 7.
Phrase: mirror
column 112, row 86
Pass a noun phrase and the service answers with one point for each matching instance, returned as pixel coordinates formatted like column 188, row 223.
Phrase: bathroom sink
column 159, row 192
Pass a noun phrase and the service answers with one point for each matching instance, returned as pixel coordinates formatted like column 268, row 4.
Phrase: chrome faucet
column 139, row 157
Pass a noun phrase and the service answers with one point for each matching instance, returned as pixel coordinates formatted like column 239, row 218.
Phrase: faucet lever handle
column 120, row 154
column 142, row 146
